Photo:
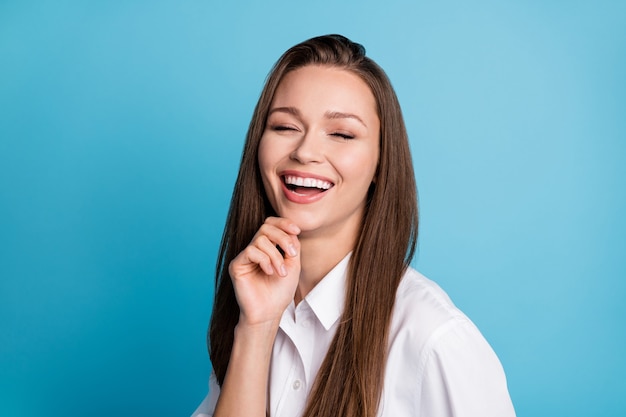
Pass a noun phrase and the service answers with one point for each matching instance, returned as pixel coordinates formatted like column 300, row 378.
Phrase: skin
column 323, row 124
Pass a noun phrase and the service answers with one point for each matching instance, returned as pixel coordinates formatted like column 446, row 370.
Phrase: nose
column 308, row 150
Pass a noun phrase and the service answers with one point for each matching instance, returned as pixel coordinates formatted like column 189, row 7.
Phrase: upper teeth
column 307, row 182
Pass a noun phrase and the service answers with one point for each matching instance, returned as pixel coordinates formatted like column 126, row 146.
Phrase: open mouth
column 306, row 186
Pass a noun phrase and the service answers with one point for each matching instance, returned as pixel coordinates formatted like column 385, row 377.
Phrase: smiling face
column 319, row 152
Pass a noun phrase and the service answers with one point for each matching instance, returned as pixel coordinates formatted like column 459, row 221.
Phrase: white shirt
column 439, row 364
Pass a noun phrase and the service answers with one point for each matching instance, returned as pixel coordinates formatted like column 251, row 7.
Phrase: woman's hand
column 265, row 281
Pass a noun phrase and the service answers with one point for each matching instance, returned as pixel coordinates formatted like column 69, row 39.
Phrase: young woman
column 317, row 312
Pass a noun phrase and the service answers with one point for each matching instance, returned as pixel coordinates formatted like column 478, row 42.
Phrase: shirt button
column 296, row 385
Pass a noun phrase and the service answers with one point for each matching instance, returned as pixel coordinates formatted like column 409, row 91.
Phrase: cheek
column 265, row 157
column 360, row 166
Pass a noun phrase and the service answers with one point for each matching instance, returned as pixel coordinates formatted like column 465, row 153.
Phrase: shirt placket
column 296, row 384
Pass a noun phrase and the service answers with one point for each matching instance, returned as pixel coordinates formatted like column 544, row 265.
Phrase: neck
column 319, row 255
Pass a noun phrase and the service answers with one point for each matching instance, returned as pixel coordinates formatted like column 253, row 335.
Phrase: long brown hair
column 350, row 380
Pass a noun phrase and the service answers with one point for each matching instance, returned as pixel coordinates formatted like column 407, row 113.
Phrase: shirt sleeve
column 207, row 407
column 463, row 376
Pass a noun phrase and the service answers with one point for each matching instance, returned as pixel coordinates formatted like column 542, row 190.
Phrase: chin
column 305, row 221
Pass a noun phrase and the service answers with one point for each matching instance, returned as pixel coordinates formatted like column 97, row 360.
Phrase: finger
column 253, row 255
column 284, row 224
column 291, row 246
column 268, row 247
column 276, row 233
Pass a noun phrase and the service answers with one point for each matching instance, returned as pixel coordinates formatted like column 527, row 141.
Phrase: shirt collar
column 327, row 298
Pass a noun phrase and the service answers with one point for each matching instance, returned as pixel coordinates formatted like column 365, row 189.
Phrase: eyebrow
column 341, row 115
column 329, row 114
column 288, row 110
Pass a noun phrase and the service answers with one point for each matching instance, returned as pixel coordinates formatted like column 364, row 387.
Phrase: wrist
column 259, row 322
column 256, row 330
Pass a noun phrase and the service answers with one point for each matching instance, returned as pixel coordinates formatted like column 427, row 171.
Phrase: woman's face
column 319, row 152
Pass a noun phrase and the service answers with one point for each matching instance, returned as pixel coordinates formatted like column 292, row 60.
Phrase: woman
column 317, row 312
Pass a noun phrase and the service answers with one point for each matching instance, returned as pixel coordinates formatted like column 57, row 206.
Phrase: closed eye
column 342, row 135
column 282, row 128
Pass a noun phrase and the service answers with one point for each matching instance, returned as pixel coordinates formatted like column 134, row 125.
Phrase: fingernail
column 294, row 228
column 292, row 250
column 283, row 270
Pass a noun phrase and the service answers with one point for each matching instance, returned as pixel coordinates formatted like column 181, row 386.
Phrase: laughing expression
column 319, row 152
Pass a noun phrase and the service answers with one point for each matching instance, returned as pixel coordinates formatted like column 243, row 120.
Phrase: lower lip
column 302, row 199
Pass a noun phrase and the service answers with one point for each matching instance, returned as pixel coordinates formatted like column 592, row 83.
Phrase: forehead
column 316, row 88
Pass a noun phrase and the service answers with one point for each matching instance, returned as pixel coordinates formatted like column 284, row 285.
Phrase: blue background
column 121, row 127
